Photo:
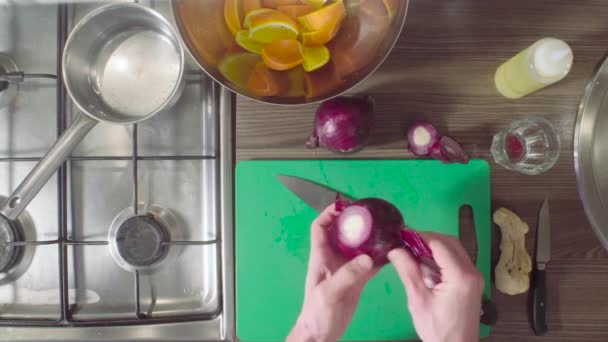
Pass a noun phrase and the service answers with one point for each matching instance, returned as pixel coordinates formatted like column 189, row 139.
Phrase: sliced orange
column 282, row 54
column 331, row 14
column 243, row 40
column 253, row 14
column 315, row 3
column 262, row 81
column 237, row 67
column 270, row 25
column 233, row 13
column 322, row 36
column 250, row 5
column 314, row 57
column 295, row 11
column 276, row 3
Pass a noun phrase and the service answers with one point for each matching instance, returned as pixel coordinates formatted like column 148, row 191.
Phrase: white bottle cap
column 552, row 58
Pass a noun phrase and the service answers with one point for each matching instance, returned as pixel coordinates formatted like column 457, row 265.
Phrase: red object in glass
column 514, row 147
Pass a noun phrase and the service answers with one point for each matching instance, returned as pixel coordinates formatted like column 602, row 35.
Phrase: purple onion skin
column 452, row 150
column 387, row 223
column 414, row 243
column 342, row 124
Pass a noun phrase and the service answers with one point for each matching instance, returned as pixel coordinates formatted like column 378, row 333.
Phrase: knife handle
column 539, row 297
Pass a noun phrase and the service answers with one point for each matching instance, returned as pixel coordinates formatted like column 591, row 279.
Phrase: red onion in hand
column 374, row 227
column 368, row 226
column 342, row 124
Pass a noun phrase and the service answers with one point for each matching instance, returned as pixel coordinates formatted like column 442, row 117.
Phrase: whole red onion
column 342, row 124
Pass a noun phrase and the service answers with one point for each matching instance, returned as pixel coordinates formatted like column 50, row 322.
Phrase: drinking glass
column 529, row 146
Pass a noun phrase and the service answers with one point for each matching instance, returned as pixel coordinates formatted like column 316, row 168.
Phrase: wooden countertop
column 442, row 69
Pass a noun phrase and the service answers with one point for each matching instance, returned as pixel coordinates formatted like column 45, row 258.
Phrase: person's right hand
column 450, row 310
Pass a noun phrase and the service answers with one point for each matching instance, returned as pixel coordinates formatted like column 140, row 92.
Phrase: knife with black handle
column 539, row 285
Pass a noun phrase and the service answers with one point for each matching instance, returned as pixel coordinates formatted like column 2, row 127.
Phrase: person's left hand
column 333, row 286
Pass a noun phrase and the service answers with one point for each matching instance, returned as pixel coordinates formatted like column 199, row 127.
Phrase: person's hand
column 449, row 311
column 333, row 286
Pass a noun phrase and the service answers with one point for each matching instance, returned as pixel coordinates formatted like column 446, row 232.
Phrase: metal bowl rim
column 588, row 194
column 261, row 100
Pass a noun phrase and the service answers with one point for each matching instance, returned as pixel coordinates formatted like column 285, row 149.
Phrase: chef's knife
column 543, row 255
column 314, row 195
column 320, row 197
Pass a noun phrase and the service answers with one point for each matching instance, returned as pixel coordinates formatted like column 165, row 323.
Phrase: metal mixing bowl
column 369, row 41
column 591, row 152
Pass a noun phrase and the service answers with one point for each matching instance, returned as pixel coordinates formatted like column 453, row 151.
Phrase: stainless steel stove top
column 132, row 240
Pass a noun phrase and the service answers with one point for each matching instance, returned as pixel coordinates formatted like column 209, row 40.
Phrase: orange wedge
column 232, row 15
column 250, row 5
column 237, row 67
column 295, row 11
column 315, row 3
column 314, row 57
column 254, row 14
column 326, row 16
column 267, row 26
column 243, row 40
column 262, row 81
column 282, row 54
column 276, row 3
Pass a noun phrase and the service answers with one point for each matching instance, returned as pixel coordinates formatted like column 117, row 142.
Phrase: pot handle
column 46, row 167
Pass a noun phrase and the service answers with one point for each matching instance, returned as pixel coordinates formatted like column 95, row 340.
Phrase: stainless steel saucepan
column 122, row 64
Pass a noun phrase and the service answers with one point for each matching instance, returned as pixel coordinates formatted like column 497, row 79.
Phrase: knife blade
column 315, row 195
column 543, row 255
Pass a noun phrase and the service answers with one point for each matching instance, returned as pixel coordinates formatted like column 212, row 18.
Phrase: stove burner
column 139, row 241
column 8, row 253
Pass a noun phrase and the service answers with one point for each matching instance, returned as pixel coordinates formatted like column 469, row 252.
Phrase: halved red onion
column 421, row 137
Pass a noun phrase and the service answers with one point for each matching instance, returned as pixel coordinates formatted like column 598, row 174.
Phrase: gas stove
column 132, row 239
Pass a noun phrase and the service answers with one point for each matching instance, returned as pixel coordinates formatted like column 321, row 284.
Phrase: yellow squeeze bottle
column 543, row 63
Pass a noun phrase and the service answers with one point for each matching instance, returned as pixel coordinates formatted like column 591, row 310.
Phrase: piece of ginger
column 514, row 266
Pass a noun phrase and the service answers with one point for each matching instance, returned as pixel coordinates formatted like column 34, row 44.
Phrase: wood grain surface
column 442, row 70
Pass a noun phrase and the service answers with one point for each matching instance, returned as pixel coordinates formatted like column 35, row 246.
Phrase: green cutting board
column 272, row 236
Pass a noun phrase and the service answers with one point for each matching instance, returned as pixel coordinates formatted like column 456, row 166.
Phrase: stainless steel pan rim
column 171, row 99
column 590, row 108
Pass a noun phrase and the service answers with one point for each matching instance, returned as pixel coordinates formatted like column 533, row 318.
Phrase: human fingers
column 319, row 227
column 449, row 254
column 354, row 274
column 409, row 272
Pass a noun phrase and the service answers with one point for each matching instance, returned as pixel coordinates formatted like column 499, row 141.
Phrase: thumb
column 409, row 272
column 352, row 274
